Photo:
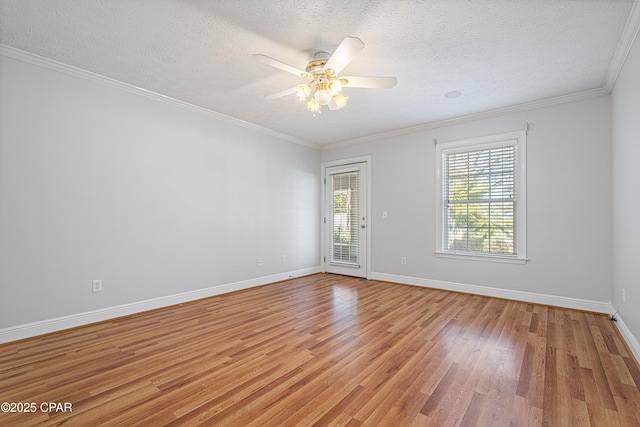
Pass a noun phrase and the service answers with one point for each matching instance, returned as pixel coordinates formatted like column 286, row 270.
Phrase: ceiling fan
column 324, row 86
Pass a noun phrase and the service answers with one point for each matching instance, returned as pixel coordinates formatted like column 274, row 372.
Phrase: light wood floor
column 331, row 350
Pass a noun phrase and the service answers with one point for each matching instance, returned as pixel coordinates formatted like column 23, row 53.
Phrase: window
column 345, row 217
column 481, row 200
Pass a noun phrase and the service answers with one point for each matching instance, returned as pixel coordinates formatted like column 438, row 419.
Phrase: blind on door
column 345, row 214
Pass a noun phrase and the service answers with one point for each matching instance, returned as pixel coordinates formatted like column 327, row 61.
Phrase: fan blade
column 349, row 48
column 282, row 93
column 280, row 65
column 370, row 82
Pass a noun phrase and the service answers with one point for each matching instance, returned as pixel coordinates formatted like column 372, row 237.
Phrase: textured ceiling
column 499, row 53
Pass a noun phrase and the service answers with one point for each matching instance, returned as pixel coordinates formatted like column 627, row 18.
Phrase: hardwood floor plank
column 331, row 350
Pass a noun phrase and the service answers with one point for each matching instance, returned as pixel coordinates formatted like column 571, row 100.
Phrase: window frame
column 519, row 140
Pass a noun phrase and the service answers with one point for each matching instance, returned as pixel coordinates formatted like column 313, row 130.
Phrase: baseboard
column 553, row 300
column 29, row 330
column 631, row 341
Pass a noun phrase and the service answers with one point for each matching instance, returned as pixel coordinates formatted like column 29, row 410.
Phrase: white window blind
column 481, row 197
column 345, row 213
column 480, row 200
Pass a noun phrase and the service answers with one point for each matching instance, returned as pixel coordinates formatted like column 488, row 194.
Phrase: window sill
column 488, row 258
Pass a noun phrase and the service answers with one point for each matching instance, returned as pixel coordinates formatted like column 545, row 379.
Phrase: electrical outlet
column 96, row 286
column 384, row 214
column 403, row 260
column 624, row 296
column 259, row 262
column 283, row 258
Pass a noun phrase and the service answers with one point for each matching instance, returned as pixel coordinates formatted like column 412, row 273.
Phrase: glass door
column 346, row 220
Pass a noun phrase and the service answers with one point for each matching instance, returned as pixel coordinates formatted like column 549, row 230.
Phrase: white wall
column 569, row 203
column 154, row 199
column 626, row 191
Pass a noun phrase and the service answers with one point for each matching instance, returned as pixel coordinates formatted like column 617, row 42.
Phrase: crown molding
column 542, row 103
column 629, row 35
column 627, row 39
column 632, row 26
column 70, row 70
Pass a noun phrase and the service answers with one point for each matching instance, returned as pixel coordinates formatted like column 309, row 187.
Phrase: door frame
column 323, row 208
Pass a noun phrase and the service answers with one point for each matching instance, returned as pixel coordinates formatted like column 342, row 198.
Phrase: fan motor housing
column 316, row 66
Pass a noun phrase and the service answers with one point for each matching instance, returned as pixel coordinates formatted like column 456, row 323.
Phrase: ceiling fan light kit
column 325, row 85
column 324, row 88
